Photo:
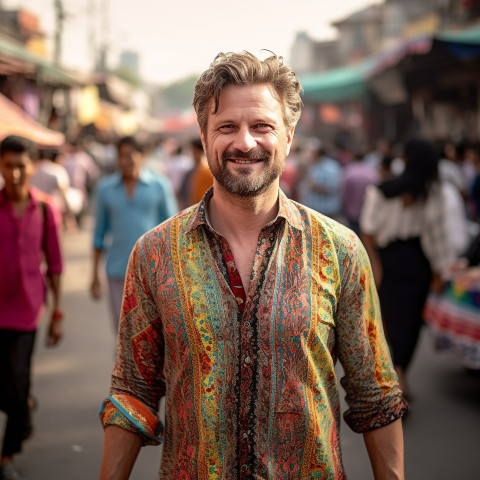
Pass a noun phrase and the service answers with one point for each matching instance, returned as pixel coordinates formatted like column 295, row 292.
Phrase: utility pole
column 105, row 41
column 92, row 31
column 59, row 19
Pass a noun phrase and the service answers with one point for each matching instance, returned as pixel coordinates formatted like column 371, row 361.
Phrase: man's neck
column 242, row 217
column 130, row 183
column 16, row 197
column 18, row 200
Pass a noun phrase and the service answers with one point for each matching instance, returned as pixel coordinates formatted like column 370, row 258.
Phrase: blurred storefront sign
column 329, row 113
column 88, row 108
column 426, row 25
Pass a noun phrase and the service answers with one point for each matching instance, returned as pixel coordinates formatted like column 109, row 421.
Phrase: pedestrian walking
column 355, row 178
column 320, row 187
column 237, row 309
column 52, row 178
column 129, row 203
column 30, row 258
column 404, row 227
column 199, row 179
column 83, row 173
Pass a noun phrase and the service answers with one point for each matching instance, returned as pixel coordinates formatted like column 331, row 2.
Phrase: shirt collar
column 145, row 177
column 33, row 194
column 287, row 210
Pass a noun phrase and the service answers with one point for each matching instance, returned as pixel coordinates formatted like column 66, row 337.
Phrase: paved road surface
column 442, row 432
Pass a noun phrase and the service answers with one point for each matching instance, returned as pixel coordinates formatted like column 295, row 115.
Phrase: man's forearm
column 97, row 255
column 120, row 451
column 54, row 280
column 385, row 449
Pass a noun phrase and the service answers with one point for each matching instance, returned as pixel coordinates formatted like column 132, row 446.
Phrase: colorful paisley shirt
column 251, row 390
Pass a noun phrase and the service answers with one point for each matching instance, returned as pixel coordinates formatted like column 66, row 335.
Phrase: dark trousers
column 16, row 350
column 403, row 292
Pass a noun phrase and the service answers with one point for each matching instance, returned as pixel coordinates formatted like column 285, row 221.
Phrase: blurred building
column 50, row 104
column 308, row 55
column 397, row 68
column 359, row 34
column 34, row 91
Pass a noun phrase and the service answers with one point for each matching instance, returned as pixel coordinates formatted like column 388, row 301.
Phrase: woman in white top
column 404, row 229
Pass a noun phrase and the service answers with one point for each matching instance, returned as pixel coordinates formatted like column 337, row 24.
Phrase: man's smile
column 245, row 161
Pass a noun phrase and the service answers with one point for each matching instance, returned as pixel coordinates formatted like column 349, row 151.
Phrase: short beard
column 241, row 184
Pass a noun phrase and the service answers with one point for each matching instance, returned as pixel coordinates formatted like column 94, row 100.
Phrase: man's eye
column 262, row 127
column 225, row 128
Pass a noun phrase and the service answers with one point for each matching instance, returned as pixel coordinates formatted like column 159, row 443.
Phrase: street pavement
column 442, row 430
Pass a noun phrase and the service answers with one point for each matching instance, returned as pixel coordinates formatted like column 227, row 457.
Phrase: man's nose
column 244, row 140
column 17, row 174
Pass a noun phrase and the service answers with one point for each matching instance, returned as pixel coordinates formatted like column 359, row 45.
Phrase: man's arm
column 120, row 450
column 55, row 328
column 373, row 395
column 95, row 286
column 53, row 257
column 372, row 250
column 102, row 225
column 385, row 449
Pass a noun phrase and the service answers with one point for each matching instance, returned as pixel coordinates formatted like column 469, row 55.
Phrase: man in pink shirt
column 356, row 176
column 30, row 258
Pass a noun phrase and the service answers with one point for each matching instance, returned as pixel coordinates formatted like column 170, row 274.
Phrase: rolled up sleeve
column 372, row 392
column 137, row 382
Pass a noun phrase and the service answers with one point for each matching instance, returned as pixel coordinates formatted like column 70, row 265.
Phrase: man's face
column 17, row 168
column 247, row 141
column 129, row 161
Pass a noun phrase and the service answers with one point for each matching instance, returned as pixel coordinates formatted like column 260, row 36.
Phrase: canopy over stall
column 14, row 121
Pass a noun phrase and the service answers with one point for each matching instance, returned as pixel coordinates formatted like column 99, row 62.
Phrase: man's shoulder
column 41, row 198
column 338, row 233
column 154, row 179
column 162, row 232
column 109, row 181
column 332, row 164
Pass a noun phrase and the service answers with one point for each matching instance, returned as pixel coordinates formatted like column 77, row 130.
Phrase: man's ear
column 290, row 132
column 204, row 143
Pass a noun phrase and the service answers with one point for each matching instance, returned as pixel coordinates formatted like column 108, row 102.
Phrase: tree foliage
column 179, row 95
column 128, row 76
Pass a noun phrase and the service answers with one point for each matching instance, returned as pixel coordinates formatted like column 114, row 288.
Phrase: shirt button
column 246, row 324
column 245, row 435
column 244, row 467
column 247, row 360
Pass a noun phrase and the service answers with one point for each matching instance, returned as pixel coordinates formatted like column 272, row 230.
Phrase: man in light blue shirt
column 128, row 204
column 321, row 187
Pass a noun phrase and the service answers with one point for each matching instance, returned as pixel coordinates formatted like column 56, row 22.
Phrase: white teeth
column 245, row 161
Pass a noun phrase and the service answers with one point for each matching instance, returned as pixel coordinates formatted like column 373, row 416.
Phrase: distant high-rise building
column 130, row 60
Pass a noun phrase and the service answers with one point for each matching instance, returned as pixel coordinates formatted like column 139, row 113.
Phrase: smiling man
column 237, row 309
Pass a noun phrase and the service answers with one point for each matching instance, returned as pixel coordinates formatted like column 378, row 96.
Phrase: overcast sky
column 180, row 37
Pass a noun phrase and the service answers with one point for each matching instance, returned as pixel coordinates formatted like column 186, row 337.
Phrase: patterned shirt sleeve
column 137, row 379
column 373, row 395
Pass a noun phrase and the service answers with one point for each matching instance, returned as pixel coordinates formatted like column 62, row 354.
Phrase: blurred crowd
column 330, row 179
